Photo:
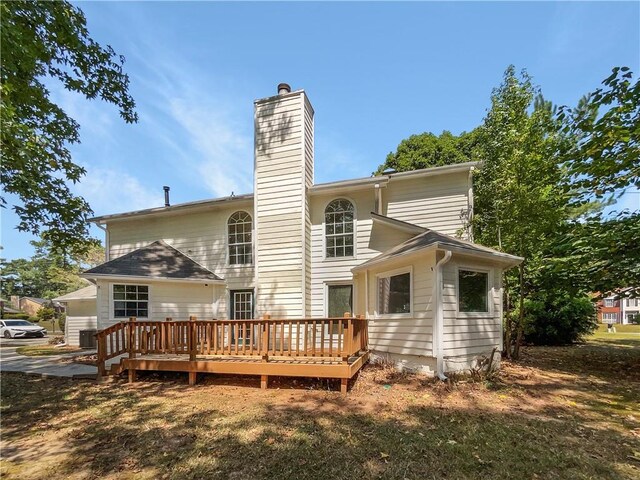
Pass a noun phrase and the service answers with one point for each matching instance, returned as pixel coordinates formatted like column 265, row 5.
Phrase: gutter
column 438, row 318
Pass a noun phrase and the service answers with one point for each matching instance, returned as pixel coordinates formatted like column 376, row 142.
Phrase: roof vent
column 283, row 88
column 166, row 196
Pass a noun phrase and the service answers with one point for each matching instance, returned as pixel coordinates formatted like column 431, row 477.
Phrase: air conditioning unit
column 87, row 338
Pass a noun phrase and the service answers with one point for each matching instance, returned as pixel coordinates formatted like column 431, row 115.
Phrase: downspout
column 106, row 241
column 438, row 317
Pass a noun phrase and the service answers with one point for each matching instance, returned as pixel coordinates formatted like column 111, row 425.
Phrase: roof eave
column 102, row 276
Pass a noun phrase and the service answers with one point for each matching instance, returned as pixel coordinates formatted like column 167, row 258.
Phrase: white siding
column 283, row 170
column 470, row 335
column 431, row 202
column 370, row 241
column 404, row 335
column 168, row 299
column 199, row 235
column 81, row 315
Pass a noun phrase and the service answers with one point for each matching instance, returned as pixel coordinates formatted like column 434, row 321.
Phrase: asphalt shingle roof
column 157, row 260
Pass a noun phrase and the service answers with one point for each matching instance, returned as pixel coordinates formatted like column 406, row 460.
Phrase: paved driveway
column 49, row 365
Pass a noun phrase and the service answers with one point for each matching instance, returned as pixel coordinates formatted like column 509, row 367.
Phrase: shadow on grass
column 166, row 430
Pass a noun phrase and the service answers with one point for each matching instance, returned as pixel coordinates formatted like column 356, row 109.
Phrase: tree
column 47, row 41
column 605, row 157
column 50, row 272
column 429, row 150
column 520, row 200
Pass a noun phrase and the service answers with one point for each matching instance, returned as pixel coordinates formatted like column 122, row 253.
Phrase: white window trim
column 228, row 247
column 490, row 291
column 393, row 273
column 111, row 302
column 355, row 230
column 338, row 283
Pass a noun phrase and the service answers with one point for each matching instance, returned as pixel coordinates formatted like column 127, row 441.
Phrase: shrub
column 16, row 316
column 33, row 319
column 62, row 319
column 557, row 318
column 46, row 313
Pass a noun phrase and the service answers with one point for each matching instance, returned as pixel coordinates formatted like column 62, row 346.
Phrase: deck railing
column 310, row 338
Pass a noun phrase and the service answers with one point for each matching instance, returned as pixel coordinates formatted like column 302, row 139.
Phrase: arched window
column 338, row 220
column 240, row 247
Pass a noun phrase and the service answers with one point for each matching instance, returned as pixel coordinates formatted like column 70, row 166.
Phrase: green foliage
column 62, row 320
column 50, row 272
column 46, row 313
column 429, row 150
column 33, row 319
column 16, row 316
column 42, row 41
column 605, row 156
column 558, row 318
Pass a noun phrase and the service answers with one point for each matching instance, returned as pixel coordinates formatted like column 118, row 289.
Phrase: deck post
column 344, row 385
column 192, row 378
column 132, row 347
column 264, row 382
column 191, row 339
column 102, row 353
column 348, row 338
column 265, row 338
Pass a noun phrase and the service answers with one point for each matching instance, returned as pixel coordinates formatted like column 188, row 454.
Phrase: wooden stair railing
column 337, row 338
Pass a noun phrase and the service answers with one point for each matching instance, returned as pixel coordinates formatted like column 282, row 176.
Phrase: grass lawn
column 560, row 413
column 41, row 350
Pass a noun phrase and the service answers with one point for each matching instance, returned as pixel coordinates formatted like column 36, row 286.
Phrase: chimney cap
column 283, row 88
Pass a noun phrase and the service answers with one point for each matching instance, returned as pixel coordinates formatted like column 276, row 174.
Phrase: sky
column 375, row 73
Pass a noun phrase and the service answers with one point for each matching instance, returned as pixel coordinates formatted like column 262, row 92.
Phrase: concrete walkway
column 48, row 365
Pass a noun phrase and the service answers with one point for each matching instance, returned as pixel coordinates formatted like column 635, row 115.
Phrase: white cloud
column 111, row 191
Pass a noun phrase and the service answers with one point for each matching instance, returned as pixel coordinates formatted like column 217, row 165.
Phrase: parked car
column 20, row 329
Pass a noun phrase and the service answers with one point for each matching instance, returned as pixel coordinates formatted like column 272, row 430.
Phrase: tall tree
column 429, row 150
column 45, row 41
column 520, row 201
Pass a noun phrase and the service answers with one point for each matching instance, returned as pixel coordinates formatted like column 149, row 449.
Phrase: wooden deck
column 324, row 348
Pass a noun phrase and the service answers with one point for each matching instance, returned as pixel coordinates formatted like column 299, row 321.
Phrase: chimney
column 283, row 88
column 166, row 196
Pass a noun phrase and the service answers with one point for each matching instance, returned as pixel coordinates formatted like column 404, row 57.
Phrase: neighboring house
column 609, row 309
column 81, row 313
column 630, row 310
column 384, row 247
column 31, row 305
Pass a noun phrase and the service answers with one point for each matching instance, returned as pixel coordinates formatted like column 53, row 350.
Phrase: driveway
column 48, row 365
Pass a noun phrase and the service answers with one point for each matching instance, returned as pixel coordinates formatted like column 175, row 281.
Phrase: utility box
column 87, row 338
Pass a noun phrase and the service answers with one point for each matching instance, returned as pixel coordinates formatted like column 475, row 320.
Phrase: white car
column 20, row 329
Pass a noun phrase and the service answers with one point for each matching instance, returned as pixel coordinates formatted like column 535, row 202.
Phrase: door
column 339, row 300
column 242, row 309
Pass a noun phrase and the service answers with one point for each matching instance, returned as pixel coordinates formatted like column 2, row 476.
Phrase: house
column 609, row 309
column 629, row 309
column 394, row 249
column 31, row 305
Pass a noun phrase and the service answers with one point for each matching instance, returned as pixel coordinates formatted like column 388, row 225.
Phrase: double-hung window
column 339, row 231
column 130, row 301
column 394, row 294
column 240, row 244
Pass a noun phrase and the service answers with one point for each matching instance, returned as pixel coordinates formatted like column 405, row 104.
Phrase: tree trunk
column 520, row 325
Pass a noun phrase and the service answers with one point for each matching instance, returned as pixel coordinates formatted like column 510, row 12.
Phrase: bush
column 62, row 319
column 46, row 313
column 557, row 318
column 33, row 319
column 16, row 316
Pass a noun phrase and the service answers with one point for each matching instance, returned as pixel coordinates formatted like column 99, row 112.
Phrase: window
column 632, row 302
column 610, row 317
column 394, row 294
column 130, row 301
column 240, row 247
column 340, row 300
column 608, row 302
column 338, row 220
column 473, row 290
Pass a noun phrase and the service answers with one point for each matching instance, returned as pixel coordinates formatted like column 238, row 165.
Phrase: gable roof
column 431, row 239
column 158, row 260
column 86, row 293
column 397, row 224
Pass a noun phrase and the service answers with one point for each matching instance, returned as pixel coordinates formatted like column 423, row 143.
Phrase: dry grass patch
column 550, row 416
column 43, row 350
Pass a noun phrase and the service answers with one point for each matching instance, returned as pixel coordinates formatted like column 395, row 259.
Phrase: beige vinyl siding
column 370, row 241
column 81, row 315
column 167, row 299
column 468, row 335
column 404, row 335
column 283, row 170
column 201, row 236
column 431, row 202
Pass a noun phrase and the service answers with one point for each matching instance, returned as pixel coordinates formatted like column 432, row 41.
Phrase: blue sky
column 375, row 73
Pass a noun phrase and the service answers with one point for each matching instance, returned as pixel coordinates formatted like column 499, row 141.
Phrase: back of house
column 394, row 248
